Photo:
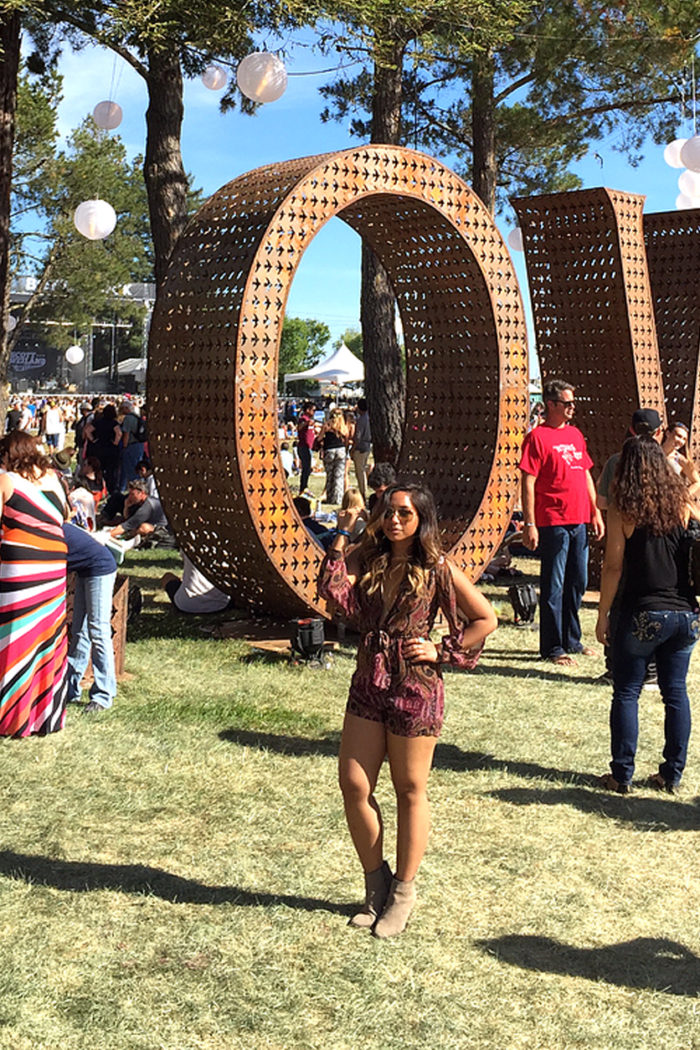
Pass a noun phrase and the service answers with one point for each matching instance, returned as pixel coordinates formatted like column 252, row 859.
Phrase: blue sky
column 217, row 147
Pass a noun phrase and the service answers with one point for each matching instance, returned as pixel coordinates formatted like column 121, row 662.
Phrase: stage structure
column 213, row 362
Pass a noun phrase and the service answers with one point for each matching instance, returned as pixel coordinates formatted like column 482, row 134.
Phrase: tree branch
column 35, row 296
column 101, row 38
column 526, row 78
column 611, row 107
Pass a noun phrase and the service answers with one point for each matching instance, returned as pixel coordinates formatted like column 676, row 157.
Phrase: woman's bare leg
column 362, row 750
column 410, row 759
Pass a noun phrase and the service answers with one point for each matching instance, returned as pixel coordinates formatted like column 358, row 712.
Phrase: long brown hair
column 22, row 455
column 374, row 549
column 645, row 488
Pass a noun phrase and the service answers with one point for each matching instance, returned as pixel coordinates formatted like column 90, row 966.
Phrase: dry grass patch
column 176, row 874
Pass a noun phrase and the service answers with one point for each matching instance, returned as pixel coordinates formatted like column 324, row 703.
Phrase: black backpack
column 141, row 432
column 523, row 598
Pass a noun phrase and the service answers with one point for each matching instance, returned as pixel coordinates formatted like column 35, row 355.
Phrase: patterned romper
column 409, row 698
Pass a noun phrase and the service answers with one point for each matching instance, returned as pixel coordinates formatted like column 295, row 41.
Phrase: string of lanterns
column 685, row 153
column 260, row 76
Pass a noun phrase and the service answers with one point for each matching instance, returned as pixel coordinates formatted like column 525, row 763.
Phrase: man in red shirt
column 559, row 502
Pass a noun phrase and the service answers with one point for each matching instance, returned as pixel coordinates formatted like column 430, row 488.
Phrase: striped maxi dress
column 33, row 646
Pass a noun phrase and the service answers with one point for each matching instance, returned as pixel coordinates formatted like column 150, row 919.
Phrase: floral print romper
column 408, row 698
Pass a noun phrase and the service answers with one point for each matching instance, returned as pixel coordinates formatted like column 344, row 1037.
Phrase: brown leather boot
column 399, row 905
column 377, row 885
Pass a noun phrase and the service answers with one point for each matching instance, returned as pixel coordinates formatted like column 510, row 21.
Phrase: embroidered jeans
column 668, row 637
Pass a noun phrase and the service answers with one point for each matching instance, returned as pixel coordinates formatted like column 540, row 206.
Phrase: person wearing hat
column 62, row 462
column 645, row 421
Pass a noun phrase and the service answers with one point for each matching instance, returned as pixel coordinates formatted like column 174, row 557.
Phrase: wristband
column 529, row 524
column 342, row 532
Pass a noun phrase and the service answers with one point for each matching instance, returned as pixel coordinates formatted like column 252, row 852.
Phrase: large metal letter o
column 213, row 362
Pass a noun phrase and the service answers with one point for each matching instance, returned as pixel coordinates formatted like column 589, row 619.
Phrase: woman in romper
column 391, row 586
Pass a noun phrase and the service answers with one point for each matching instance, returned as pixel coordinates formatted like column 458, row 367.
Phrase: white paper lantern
column 690, row 153
column 262, row 77
column 11, row 323
column 689, row 183
column 95, row 219
column 74, row 355
column 515, row 239
column 672, row 153
column 683, row 202
column 107, row 115
column 214, row 78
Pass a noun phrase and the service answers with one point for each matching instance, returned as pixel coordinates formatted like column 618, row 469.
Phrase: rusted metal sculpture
column 673, row 253
column 593, row 309
column 213, row 361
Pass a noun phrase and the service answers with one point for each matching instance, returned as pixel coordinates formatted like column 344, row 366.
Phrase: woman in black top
column 656, row 616
column 104, row 442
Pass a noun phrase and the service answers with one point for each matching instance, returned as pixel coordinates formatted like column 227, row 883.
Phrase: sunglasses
column 568, row 404
column 404, row 513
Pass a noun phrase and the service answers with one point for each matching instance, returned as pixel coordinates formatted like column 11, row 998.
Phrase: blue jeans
column 131, row 457
column 305, row 462
column 91, row 635
column 668, row 637
column 563, row 577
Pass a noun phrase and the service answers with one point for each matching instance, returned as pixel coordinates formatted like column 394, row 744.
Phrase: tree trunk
column 9, row 67
column 166, row 181
column 484, row 130
column 385, row 384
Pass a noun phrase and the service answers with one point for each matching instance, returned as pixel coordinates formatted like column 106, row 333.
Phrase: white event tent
column 341, row 367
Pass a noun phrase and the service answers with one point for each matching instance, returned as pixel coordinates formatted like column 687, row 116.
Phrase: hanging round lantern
column 515, row 239
column 689, row 183
column 214, row 77
column 690, row 153
column 262, row 77
column 683, row 202
column 95, row 219
column 11, row 323
column 672, row 153
column 74, row 355
column 107, row 115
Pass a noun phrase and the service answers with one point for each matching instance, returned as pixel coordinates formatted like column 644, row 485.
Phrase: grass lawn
column 176, row 873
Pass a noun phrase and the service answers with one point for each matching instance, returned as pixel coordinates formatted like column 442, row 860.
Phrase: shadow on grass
column 450, row 756
column 513, row 671
column 646, row 814
column 447, row 756
column 657, row 964
column 283, row 745
column 85, row 877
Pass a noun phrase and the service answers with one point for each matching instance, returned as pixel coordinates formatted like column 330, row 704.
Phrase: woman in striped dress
column 33, row 645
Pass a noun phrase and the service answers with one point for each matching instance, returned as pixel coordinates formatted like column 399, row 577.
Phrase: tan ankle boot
column 377, row 884
column 399, row 905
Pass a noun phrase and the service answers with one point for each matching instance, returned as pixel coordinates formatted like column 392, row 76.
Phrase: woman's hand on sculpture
column 420, row 651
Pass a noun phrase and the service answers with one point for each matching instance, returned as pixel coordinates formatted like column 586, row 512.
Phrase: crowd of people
column 384, row 572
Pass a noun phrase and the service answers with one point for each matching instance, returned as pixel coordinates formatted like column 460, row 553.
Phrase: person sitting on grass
column 316, row 530
column 194, row 593
column 380, row 477
column 142, row 513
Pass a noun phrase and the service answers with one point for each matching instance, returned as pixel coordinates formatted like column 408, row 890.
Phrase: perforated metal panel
column 592, row 305
column 213, row 361
column 673, row 252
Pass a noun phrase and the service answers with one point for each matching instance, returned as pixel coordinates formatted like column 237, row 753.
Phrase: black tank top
column 656, row 571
